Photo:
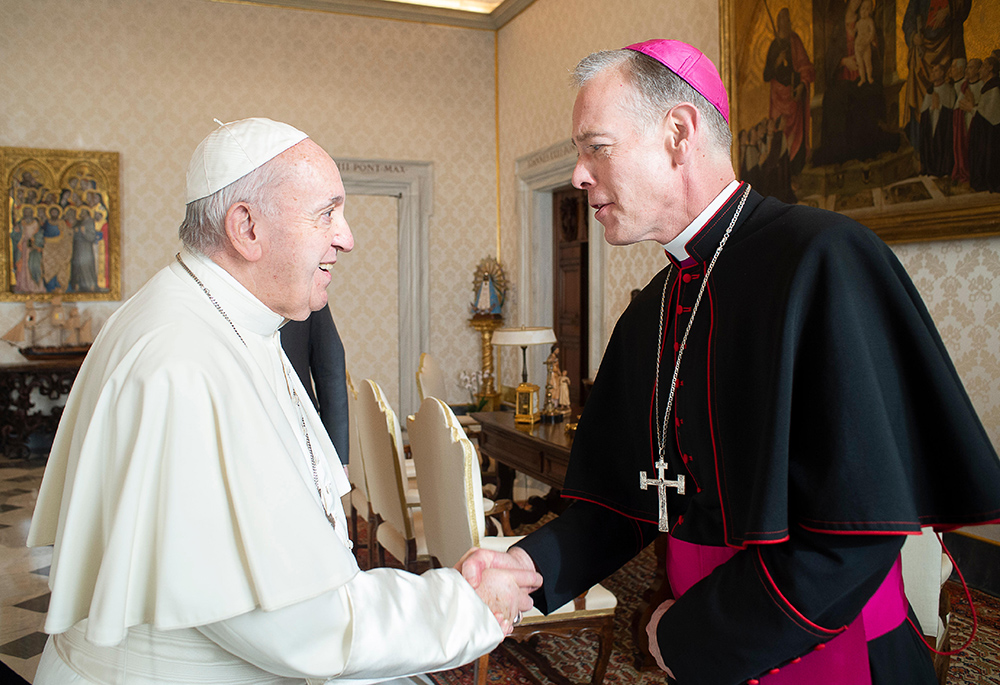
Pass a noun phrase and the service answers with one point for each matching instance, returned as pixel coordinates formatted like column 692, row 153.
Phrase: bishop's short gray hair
column 656, row 90
column 204, row 227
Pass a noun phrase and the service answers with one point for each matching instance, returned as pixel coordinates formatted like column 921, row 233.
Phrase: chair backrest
column 430, row 379
column 448, row 478
column 925, row 569
column 382, row 447
column 356, row 464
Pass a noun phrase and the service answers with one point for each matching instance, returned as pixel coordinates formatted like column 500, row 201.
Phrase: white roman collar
column 678, row 246
column 239, row 303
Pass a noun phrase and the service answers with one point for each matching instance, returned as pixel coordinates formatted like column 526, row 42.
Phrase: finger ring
column 517, row 619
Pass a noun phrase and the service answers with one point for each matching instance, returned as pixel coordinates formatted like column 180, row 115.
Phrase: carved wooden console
column 20, row 384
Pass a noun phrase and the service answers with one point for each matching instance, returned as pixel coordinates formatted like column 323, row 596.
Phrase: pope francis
column 193, row 497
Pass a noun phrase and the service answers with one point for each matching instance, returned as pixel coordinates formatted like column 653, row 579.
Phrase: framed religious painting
column 885, row 110
column 61, row 225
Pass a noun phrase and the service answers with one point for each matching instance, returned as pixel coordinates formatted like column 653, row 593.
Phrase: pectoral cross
column 661, row 485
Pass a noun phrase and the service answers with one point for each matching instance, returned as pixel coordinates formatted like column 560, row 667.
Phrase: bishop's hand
column 503, row 580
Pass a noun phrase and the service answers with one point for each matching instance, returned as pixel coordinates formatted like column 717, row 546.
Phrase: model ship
column 73, row 333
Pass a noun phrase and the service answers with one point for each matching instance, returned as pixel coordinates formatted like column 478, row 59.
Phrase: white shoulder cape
column 172, row 492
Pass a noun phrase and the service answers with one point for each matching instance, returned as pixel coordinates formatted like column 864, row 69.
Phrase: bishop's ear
column 681, row 128
column 241, row 229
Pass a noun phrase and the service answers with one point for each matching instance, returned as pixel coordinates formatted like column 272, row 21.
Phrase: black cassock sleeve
column 580, row 548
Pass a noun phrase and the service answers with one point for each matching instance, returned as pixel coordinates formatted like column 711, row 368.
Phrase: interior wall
column 370, row 276
column 959, row 279
column 145, row 78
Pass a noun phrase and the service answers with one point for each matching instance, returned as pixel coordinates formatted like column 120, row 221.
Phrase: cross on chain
column 661, row 485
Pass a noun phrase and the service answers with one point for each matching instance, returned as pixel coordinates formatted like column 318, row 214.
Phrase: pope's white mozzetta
column 187, row 524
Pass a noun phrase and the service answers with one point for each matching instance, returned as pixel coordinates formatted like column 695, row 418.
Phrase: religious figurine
column 488, row 297
column 555, row 372
column 564, row 402
column 489, row 286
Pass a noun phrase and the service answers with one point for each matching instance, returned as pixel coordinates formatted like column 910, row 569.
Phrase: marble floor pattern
column 24, row 573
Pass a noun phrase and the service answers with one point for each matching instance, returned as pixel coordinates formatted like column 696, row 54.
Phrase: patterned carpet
column 574, row 658
column 980, row 663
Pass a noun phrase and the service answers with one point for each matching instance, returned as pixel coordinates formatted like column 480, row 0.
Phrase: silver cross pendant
column 661, row 485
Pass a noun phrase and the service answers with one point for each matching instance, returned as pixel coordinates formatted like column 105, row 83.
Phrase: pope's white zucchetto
column 235, row 149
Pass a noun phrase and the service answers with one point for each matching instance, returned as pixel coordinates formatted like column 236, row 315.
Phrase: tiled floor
column 24, row 573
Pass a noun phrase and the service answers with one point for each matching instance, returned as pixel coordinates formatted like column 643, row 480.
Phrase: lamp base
column 526, row 404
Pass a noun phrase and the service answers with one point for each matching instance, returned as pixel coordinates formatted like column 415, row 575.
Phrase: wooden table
column 20, row 419
column 540, row 450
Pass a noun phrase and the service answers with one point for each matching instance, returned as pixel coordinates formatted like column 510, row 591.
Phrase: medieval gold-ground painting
column 885, row 110
column 61, row 225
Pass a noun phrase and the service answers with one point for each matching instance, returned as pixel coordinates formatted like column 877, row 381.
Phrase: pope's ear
column 681, row 124
column 241, row 229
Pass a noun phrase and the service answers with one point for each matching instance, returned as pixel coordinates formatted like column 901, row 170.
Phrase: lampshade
column 524, row 336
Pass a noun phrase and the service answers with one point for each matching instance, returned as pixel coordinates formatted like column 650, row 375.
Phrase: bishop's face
column 303, row 234
column 625, row 169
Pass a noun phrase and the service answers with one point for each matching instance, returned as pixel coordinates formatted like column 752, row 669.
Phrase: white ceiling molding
column 384, row 9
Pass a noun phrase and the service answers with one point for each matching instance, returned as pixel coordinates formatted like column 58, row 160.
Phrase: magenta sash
column 840, row 661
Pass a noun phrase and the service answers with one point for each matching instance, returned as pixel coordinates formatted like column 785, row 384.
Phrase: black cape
column 814, row 384
column 815, row 405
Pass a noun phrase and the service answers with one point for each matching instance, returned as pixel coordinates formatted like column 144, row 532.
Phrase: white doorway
column 380, row 293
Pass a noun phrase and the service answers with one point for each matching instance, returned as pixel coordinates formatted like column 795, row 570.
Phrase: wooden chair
column 358, row 497
column 925, row 569
column 430, row 383
column 398, row 525
column 454, row 520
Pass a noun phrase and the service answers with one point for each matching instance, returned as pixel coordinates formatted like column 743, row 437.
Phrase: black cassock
column 817, row 418
column 316, row 352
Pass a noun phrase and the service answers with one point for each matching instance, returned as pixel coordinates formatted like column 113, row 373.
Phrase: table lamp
column 526, row 404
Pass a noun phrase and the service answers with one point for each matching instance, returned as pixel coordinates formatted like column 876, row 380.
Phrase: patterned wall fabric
column 146, row 78
column 364, row 294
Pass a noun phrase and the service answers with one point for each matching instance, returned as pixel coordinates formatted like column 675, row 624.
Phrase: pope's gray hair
column 204, row 227
column 657, row 89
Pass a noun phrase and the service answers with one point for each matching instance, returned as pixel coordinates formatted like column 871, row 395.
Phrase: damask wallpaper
column 145, row 78
column 363, row 294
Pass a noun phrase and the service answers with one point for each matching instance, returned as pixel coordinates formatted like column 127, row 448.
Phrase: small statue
column 564, row 401
column 488, row 299
column 489, row 287
column 555, row 372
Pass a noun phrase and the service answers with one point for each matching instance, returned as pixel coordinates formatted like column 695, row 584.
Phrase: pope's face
column 303, row 234
column 626, row 171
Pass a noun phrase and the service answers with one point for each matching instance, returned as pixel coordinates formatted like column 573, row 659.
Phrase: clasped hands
column 503, row 580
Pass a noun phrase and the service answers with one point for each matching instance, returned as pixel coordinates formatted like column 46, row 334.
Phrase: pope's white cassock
column 191, row 544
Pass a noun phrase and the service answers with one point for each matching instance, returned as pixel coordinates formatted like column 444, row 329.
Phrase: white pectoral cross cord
column 661, row 485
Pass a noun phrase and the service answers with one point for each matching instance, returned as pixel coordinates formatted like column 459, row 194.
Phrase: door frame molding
column 538, row 174
column 412, row 184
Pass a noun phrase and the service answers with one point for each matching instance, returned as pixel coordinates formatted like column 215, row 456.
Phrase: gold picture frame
column 61, row 222
column 893, row 191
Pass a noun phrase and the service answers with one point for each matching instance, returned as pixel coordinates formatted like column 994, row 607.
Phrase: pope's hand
column 654, row 648
column 503, row 580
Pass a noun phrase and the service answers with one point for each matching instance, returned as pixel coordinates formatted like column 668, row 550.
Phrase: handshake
column 503, row 580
